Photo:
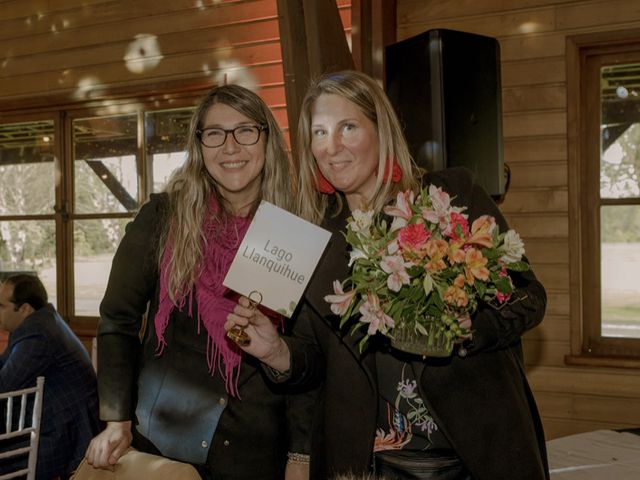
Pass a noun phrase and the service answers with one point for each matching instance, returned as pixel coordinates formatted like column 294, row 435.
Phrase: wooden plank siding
column 532, row 36
column 75, row 50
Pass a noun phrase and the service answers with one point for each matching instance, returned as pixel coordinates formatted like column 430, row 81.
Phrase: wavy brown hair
column 191, row 185
column 367, row 95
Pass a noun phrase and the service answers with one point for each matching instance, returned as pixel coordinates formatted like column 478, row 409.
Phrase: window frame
column 586, row 54
column 64, row 214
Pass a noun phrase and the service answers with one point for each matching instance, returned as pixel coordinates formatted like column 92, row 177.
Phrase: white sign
column 277, row 258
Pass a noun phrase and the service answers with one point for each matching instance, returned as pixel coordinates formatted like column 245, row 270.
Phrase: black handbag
column 419, row 465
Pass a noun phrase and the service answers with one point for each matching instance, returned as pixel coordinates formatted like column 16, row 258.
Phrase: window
column 28, row 171
column 63, row 211
column 604, row 162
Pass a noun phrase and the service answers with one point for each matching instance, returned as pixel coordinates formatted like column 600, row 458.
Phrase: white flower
column 402, row 207
column 393, row 247
column 340, row 301
column 398, row 223
column 512, row 247
column 395, row 266
column 373, row 314
column 355, row 254
column 441, row 208
column 361, row 221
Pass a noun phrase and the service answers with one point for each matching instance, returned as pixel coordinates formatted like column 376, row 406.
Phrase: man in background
column 42, row 344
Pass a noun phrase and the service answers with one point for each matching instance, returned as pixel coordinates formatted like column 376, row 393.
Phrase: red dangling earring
column 396, row 171
column 322, row 184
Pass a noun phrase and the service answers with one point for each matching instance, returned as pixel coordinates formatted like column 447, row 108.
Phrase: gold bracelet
column 298, row 458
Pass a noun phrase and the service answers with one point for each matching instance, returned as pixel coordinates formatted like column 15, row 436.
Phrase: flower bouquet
column 419, row 272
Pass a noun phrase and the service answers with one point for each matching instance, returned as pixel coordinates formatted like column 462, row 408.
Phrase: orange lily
column 475, row 266
column 481, row 230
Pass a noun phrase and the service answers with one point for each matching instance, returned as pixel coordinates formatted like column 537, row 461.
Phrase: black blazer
column 173, row 398
column 482, row 403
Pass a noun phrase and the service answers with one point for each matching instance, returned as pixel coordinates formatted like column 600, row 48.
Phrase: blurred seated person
column 42, row 344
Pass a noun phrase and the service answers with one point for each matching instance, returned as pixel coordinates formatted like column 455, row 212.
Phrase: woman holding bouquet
column 468, row 415
column 186, row 391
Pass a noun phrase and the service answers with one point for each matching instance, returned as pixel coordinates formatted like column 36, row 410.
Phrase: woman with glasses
column 187, row 392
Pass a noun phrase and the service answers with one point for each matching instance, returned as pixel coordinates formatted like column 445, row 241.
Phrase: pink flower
column 440, row 206
column 503, row 297
column 440, row 199
column 373, row 314
column 464, row 321
column 395, row 266
column 340, row 301
column 457, row 219
column 402, row 210
column 412, row 238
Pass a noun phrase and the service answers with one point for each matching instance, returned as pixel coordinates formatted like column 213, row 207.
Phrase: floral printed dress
column 404, row 421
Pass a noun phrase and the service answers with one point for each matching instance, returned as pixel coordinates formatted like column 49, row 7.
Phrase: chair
column 16, row 428
column 134, row 465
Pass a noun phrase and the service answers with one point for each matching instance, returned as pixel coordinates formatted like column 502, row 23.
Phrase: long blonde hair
column 190, row 187
column 364, row 92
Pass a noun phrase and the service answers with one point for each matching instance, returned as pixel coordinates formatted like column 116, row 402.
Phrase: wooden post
column 313, row 42
column 374, row 27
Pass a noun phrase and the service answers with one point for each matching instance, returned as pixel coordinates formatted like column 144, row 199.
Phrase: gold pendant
column 238, row 334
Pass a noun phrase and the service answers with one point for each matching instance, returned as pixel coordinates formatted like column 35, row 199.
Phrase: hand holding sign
column 275, row 260
column 237, row 334
column 265, row 342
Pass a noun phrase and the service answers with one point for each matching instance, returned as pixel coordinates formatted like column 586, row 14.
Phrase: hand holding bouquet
column 421, row 271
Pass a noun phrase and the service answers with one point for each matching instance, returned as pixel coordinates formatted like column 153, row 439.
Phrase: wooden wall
column 59, row 51
column 532, row 37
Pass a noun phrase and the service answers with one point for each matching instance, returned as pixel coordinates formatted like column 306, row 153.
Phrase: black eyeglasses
column 243, row 135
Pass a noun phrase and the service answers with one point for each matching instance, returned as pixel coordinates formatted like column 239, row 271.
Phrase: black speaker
column 445, row 87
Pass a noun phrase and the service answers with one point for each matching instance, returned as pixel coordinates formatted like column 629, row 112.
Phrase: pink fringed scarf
column 214, row 300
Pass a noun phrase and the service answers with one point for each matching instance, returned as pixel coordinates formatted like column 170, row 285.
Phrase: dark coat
column 173, row 398
column 482, row 403
column 44, row 345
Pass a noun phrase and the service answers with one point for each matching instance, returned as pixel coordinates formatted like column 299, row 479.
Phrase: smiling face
column 344, row 142
column 236, row 169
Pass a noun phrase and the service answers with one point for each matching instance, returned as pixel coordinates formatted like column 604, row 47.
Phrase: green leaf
column 427, row 284
column 491, row 253
column 415, row 271
column 504, row 285
column 517, row 266
column 363, row 343
column 421, row 328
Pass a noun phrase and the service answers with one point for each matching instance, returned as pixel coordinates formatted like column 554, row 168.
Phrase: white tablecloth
column 601, row 455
